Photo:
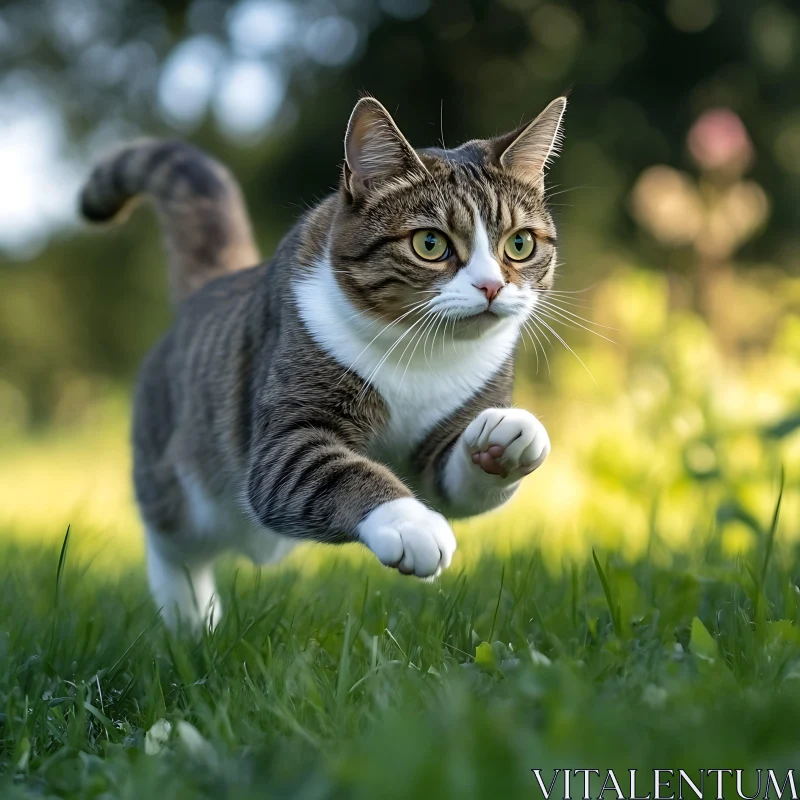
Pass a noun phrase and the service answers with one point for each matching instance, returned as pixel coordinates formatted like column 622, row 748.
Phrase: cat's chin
column 478, row 325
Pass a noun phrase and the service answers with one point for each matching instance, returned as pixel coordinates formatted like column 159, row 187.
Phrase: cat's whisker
column 411, row 357
column 560, row 302
column 564, row 303
column 419, row 303
column 533, row 333
column 442, row 318
column 431, row 328
column 391, row 324
column 361, row 313
column 427, row 315
column 544, row 294
column 532, row 319
column 578, row 321
column 436, row 316
column 524, row 343
column 522, row 332
column 386, row 355
column 451, row 295
column 418, row 337
column 575, row 291
column 441, row 127
column 535, row 348
column 570, row 189
column 572, row 325
column 395, row 344
column 560, row 339
column 444, row 332
column 573, row 319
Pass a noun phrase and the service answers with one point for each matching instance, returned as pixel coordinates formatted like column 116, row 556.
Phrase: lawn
column 636, row 606
column 345, row 680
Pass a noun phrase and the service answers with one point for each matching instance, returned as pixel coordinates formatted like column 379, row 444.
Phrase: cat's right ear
column 529, row 150
column 374, row 149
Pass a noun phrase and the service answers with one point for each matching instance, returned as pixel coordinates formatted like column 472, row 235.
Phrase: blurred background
column 677, row 198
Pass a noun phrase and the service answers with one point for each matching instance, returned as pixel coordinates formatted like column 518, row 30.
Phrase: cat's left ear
column 374, row 148
column 528, row 150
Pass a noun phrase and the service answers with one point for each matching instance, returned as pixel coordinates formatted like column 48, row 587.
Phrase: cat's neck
column 438, row 373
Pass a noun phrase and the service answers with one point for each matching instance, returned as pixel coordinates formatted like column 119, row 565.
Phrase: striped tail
column 199, row 204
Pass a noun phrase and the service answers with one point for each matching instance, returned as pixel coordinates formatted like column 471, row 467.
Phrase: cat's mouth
column 472, row 322
column 492, row 312
column 477, row 323
column 489, row 314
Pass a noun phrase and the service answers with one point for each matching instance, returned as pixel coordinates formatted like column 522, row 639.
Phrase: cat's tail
column 199, row 204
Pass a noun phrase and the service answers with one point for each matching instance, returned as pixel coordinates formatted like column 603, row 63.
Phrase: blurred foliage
column 660, row 438
column 673, row 198
column 267, row 86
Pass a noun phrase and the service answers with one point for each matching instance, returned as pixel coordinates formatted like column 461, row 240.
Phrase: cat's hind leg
column 184, row 590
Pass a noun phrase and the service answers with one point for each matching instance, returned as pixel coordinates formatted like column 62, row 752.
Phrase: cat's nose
column 490, row 287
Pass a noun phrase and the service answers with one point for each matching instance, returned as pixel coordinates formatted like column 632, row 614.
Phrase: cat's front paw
column 407, row 535
column 509, row 442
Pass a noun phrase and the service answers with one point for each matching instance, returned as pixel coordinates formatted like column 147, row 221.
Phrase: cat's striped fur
column 345, row 388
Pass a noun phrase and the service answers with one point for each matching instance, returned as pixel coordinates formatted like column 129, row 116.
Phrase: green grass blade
column 497, row 605
column 612, row 607
column 62, row 562
column 774, row 526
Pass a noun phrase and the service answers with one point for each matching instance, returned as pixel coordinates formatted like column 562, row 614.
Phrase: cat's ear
column 374, row 148
column 528, row 150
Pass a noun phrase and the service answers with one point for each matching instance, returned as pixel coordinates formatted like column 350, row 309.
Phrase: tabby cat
column 357, row 385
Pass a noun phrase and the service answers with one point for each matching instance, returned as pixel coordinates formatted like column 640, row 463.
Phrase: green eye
column 431, row 245
column 520, row 245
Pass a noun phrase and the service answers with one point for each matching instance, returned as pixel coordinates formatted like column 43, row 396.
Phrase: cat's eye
column 520, row 245
column 431, row 245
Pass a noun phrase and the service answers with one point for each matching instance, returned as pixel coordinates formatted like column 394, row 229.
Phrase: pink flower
column 718, row 141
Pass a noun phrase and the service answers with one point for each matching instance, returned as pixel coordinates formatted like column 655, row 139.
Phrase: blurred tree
column 267, row 86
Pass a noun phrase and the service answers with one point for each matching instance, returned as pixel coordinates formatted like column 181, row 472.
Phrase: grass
column 350, row 681
column 675, row 643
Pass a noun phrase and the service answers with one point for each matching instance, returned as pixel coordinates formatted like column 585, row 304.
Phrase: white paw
column 407, row 535
column 509, row 442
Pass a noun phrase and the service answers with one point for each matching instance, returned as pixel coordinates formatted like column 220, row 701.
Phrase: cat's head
column 463, row 234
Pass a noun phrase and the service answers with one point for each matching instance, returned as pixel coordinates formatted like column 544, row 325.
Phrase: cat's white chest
column 423, row 380
column 428, row 392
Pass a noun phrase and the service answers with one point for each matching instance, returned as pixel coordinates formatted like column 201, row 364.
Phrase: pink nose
column 490, row 287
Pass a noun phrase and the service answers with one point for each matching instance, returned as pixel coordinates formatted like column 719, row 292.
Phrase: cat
column 356, row 387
